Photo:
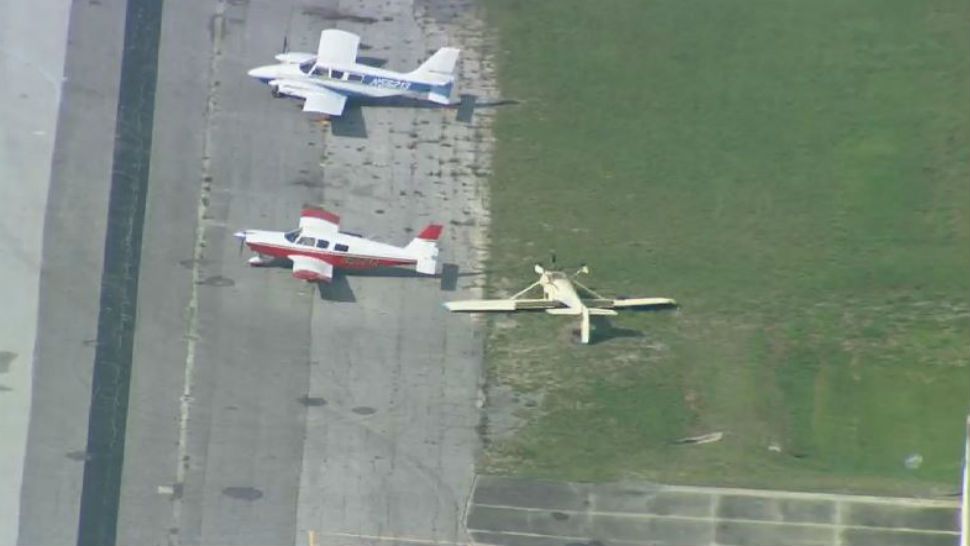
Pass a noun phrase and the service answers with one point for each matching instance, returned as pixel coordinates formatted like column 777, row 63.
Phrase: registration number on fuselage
column 390, row 83
column 360, row 262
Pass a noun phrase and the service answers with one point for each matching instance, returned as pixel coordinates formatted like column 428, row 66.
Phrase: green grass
column 795, row 174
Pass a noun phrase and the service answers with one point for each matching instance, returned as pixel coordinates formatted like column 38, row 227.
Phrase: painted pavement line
column 582, row 539
column 866, row 499
column 312, row 534
column 710, row 519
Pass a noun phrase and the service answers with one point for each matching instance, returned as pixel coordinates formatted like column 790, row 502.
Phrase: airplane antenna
column 285, row 45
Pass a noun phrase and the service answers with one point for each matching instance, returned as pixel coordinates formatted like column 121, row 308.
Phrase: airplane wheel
column 276, row 92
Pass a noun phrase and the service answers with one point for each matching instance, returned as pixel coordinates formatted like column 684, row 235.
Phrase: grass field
column 796, row 175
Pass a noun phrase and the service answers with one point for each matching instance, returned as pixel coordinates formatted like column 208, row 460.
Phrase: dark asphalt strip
column 119, row 281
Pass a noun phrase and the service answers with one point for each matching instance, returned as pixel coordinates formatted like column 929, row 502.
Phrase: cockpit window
column 337, row 74
column 355, row 77
column 322, row 243
column 306, row 241
column 307, row 66
column 320, row 71
column 292, row 235
column 341, row 248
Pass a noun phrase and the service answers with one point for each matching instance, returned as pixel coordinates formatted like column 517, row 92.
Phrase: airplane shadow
column 465, row 107
column 603, row 331
column 376, row 62
column 449, row 274
column 449, row 277
column 338, row 290
column 351, row 124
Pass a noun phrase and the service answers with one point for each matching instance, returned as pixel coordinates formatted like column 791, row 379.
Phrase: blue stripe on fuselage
column 397, row 85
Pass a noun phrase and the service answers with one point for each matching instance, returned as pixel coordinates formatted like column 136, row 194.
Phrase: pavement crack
column 198, row 261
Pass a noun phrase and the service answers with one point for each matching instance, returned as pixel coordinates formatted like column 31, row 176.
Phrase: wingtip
column 316, row 211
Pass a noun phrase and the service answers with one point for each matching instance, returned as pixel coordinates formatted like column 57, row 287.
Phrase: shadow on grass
column 603, row 331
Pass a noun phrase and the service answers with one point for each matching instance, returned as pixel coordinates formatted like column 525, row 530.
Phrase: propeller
column 286, row 45
column 241, row 235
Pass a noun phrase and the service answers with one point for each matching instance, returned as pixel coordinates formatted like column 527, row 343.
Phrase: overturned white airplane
column 561, row 297
column 326, row 79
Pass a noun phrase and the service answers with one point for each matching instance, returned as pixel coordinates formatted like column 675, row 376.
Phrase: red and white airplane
column 318, row 246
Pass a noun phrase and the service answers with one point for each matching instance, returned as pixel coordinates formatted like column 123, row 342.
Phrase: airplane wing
column 324, row 101
column 337, row 47
column 632, row 304
column 311, row 269
column 501, row 306
column 319, row 221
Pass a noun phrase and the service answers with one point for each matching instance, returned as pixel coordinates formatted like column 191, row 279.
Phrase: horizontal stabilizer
column 644, row 303
column 428, row 266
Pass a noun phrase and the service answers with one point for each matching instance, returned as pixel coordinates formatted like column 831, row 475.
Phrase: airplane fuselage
column 340, row 250
column 354, row 80
column 557, row 286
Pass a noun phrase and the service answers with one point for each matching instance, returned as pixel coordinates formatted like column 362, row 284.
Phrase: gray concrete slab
column 235, row 368
column 873, row 515
column 523, row 512
column 33, row 37
column 392, row 452
column 222, row 351
column 883, row 537
column 70, row 279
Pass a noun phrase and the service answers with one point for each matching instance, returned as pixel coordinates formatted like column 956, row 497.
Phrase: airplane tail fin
column 442, row 63
column 424, row 248
column 439, row 69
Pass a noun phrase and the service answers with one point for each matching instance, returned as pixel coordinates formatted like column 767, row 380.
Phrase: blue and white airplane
column 326, row 79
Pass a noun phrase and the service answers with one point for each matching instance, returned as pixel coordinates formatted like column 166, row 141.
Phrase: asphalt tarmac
column 264, row 410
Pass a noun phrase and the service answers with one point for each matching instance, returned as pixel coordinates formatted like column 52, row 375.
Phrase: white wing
column 324, row 101
column 311, row 269
column 501, row 306
column 642, row 303
column 337, row 48
column 318, row 221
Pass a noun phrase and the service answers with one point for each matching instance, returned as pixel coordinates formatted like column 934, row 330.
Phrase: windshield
column 292, row 235
column 307, row 66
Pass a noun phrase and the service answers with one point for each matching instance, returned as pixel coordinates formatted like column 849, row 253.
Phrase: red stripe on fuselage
column 342, row 260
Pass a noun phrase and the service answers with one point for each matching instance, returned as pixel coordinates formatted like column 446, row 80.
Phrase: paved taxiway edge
column 71, row 274
column 33, row 38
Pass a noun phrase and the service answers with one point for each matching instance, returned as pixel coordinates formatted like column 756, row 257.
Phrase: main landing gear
column 260, row 260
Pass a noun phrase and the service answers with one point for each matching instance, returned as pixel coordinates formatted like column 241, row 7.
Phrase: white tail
column 442, row 63
column 424, row 249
